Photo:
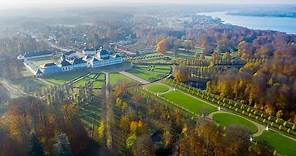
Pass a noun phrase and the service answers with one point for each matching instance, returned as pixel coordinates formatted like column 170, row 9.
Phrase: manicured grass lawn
column 84, row 81
column 225, row 119
column 281, row 144
column 117, row 77
column 150, row 73
column 158, row 88
column 97, row 80
column 100, row 81
column 62, row 78
column 188, row 102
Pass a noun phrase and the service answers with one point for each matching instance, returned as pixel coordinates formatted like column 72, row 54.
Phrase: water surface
column 283, row 24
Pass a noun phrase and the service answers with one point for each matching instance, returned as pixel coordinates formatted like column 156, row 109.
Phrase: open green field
column 283, row 145
column 188, row 102
column 62, row 78
column 225, row 119
column 150, row 73
column 117, row 77
column 157, row 88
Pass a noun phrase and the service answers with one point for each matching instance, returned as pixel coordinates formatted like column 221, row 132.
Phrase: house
column 50, row 68
column 65, row 65
column 91, row 51
column 35, row 55
column 100, row 59
column 79, row 63
column 103, row 54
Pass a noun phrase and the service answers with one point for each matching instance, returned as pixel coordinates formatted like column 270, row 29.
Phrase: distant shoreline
column 280, row 24
column 255, row 14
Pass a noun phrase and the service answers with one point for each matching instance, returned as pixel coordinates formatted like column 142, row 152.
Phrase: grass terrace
column 150, row 73
column 158, row 88
column 188, row 102
column 117, row 77
column 226, row 119
column 62, row 78
column 282, row 144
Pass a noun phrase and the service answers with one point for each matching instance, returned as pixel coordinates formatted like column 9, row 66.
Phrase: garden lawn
column 225, row 119
column 99, row 81
column 84, row 81
column 189, row 103
column 117, row 77
column 283, row 145
column 62, row 78
column 158, row 88
column 150, row 73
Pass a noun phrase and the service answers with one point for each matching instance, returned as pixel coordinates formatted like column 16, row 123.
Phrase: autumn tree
column 35, row 147
column 181, row 74
column 143, row 146
column 161, row 45
column 62, row 146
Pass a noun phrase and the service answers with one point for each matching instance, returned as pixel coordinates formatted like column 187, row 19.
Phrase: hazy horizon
column 12, row 4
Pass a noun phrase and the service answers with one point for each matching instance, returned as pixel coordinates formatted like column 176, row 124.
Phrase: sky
column 6, row 4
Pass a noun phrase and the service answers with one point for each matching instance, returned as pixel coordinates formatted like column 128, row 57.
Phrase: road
column 109, row 113
column 14, row 91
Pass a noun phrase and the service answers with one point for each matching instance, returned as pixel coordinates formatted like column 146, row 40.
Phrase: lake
column 283, row 24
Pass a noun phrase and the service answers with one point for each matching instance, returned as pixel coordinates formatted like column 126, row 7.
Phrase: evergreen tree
column 35, row 147
column 62, row 146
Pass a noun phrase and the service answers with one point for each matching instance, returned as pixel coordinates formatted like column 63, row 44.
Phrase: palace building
column 100, row 58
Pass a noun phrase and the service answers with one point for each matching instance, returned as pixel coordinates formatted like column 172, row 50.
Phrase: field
column 225, row 119
column 62, row 78
column 150, row 73
column 188, row 102
column 117, row 77
column 158, row 88
column 281, row 144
